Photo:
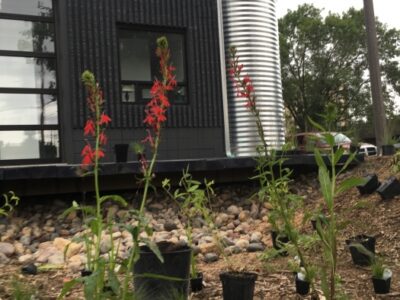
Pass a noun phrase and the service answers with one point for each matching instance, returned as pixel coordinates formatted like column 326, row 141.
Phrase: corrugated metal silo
column 251, row 26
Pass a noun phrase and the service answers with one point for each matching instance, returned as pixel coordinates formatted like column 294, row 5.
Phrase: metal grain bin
column 251, row 26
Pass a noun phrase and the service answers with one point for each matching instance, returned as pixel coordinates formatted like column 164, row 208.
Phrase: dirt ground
column 361, row 214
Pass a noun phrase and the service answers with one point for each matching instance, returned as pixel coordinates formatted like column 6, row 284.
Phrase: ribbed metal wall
column 93, row 44
column 251, row 26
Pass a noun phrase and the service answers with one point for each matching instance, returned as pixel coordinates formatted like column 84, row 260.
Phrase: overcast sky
column 387, row 11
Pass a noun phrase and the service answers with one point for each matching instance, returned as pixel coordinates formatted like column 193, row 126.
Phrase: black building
column 45, row 45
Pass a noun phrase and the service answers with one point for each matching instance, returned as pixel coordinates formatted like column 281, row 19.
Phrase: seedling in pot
column 381, row 276
column 357, row 244
column 327, row 175
column 193, row 201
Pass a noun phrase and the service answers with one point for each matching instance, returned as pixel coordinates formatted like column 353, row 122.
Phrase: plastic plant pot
column 388, row 150
column 278, row 240
column 302, row 286
column 389, row 189
column 359, row 258
column 371, row 185
column 121, row 152
column 238, row 285
column 381, row 286
column 196, row 284
column 175, row 272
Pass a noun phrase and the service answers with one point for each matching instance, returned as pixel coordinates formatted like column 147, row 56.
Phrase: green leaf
column 165, row 183
column 113, row 282
column 326, row 186
column 68, row 286
column 153, row 247
column 115, row 198
column 318, row 158
column 90, row 283
column 348, row 161
column 316, row 125
column 329, row 138
column 348, row 184
column 193, row 188
column 159, row 276
column 338, row 155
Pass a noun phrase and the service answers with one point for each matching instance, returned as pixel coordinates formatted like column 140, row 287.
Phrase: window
column 139, row 64
column 29, row 129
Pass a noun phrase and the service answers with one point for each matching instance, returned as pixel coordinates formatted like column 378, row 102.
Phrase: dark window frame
column 13, row 90
column 139, row 101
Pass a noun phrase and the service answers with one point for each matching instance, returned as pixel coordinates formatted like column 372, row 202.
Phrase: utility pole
column 375, row 74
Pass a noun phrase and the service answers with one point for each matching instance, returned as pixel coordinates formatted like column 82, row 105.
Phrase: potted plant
column 121, row 152
column 381, row 276
column 193, row 201
column 358, row 256
column 389, row 141
column 161, row 271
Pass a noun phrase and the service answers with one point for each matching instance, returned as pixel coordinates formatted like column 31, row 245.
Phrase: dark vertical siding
column 93, row 44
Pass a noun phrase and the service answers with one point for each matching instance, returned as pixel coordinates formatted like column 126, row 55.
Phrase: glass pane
column 29, row 144
column 26, row 36
column 135, row 55
column 27, row 7
column 27, row 72
column 128, row 93
column 138, row 58
column 176, row 44
column 27, row 109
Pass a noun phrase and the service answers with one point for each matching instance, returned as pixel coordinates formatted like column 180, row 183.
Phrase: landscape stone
column 233, row 210
column 7, row 249
column 4, row 259
column 255, row 247
column 210, row 257
column 169, row 226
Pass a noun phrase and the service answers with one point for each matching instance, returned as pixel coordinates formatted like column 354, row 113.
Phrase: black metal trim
column 47, row 55
column 28, row 91
column 31, row 161
column 20, row 17
column 29, row 127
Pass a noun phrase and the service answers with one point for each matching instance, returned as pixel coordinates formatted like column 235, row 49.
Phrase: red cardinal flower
column 95, row 125
column 104, row 119
column 89, row 128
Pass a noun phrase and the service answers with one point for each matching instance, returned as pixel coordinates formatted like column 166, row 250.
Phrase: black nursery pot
column 381, row 286
column 388, row 150
column 302, row 287
column 359, row 258
column 389, row 189
column 196, row 284
column 277, row 240
column 238, row 285
column 371, row 184
column 176, row 265
column 121, row 152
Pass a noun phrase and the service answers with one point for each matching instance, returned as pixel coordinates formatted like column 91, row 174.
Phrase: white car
column 368, row 149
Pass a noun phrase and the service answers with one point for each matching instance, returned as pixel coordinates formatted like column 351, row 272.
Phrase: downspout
column 223, row 79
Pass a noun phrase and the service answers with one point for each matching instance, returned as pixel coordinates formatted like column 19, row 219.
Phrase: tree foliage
column 324, row 61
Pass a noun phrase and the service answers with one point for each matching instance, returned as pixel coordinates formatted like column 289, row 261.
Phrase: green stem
column 99, row 220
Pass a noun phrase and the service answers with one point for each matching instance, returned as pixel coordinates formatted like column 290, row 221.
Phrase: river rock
column 255, row 247
column 7, row 249
column 210, row 257
column 242, row 243
column 233, row 210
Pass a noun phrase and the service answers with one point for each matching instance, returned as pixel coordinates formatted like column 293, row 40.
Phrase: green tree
column 324, row 61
